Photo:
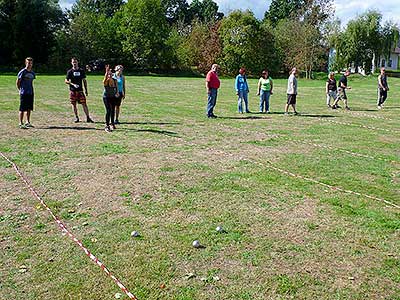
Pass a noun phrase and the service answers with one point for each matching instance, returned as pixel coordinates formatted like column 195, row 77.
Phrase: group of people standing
column 114, row 91
column 335, row 91
column 113, row 94
column 264, row 90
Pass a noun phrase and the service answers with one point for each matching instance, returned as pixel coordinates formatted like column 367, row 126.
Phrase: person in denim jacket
column 242, row 90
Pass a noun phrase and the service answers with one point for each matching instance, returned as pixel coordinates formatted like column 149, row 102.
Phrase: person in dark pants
column 383, row 88
column 212, row 85
column 110, row 96
column 25, row 87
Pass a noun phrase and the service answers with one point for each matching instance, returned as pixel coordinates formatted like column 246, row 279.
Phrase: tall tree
column 93, row 29
column 177, row 11
column 28, row 29
column 245, row 43
column 144, row 32
column 282, row 9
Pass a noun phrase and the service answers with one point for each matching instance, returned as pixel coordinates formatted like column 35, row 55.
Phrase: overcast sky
column 345, row 9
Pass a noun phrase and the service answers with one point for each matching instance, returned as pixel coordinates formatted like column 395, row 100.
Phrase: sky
column 345, row 10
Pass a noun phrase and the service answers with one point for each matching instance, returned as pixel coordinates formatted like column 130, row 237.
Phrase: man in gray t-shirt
column 291, row 91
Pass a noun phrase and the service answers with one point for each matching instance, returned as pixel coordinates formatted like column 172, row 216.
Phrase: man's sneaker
column 334, row 107
column 267, row 112
column 113, row 126
column 296, row 113
column 29, row 125
column 286, row 113
column 89, row 120
column 22, row 126
column 117, row 121
column 107, row 129
column 379, row 107
column 329, row 106
column 213, row 116
column 347, row 108
column 248, row 112
column 76, row 120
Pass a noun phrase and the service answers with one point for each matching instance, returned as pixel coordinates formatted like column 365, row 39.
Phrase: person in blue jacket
column 242, row 90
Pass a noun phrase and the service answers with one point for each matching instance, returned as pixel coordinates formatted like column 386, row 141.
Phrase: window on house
column 383, row 64
column 389, row 63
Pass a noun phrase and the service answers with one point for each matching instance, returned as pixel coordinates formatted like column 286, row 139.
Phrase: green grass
column 174, row 176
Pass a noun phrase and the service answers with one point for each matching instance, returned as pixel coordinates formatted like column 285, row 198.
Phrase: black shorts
column 26, row 102
column 291, row 98
column 118, row 100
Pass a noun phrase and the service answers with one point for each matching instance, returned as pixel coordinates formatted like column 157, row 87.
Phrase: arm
column 259, row 87
column 18, row 83
column 123, row 87
column 85, row 85
column 326, row 87
column 272, row 86
column 380, row 83
column 237, row 85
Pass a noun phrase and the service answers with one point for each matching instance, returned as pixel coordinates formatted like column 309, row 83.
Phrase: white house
column 393, row 63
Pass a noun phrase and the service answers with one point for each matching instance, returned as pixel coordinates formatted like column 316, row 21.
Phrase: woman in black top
column 330, row 89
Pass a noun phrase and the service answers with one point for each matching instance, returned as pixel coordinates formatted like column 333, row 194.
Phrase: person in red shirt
column 212, row 85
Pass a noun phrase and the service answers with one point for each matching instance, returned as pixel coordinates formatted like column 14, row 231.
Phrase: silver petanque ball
column 196, row 244
column 219, row 229
column 134, row 234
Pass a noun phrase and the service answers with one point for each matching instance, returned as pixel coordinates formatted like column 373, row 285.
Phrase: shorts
column 332, row 94
column 291, row 98
column 118, row 100
column 26, row 102
column 77, row 96
column 342, row 94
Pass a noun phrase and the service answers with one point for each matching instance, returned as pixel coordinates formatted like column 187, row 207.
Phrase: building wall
column 391, row 64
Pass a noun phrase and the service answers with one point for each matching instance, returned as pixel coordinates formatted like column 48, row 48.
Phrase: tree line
column 175, row 35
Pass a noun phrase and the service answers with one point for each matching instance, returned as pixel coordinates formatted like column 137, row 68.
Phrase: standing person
column 331, row 89
column 265, row 86
column 109, row 98
column 212, row 84
column 75, row 77
column 342, row 87
column 242, row 90
column 292, row 92
column 24, row 84
column 121, row 90
column 383, row 88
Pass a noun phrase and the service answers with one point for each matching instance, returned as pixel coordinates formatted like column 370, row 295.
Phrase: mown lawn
column 174, row 175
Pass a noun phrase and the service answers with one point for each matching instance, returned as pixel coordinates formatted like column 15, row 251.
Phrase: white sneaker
column 29, row 125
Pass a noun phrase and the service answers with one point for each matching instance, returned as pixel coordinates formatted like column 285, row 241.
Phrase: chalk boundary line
column 65, row 231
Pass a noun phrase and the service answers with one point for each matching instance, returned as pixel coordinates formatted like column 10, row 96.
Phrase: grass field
column 174, row 175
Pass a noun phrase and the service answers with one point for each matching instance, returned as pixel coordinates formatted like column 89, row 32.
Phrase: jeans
column 212, row 101
column 109, row 103
column 243, row 98
column 264, row 97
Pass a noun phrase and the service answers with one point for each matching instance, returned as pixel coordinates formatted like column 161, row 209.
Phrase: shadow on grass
column 144, row 123
column 68, row 128
column 315, row 116
column 241, row 118
column 164, row 132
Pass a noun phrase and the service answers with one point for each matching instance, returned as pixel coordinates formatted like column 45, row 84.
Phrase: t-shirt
column 120, row 82
column 383, row 79
column 26, row 77
column 331, row 84
column 265, row 83
column 213, row 80
column 292, row 85
column 343, row 80
column 76, row 77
